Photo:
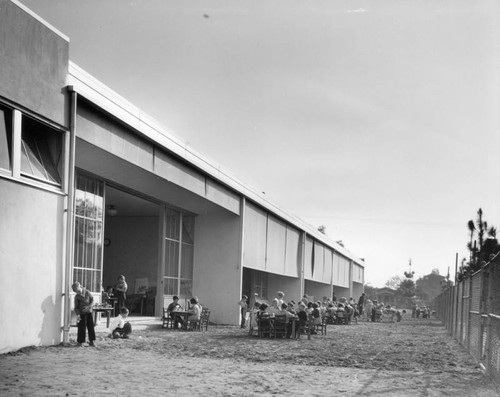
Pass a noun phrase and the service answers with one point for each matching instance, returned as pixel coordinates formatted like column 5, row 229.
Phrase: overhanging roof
column 108, row 100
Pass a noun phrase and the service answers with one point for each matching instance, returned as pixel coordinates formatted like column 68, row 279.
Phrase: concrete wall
column 341, row 292
column 318, row 290
column 289, row 285
column 217, row 269
column 31, row 269
column 133, row 251
column 34, row 63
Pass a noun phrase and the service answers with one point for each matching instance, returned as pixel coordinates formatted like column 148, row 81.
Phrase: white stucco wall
column 31, row 236
column 217, row 270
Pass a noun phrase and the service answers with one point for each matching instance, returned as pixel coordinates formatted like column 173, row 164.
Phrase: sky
column 377, row 119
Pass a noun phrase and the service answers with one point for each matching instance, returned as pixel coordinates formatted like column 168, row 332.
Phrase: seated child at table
column 274, row 309
column 121, row 328
column 173, row 307
column 194, row 311
column 263, row 316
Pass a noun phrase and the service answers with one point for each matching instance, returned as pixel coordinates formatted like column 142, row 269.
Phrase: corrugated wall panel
column 293, row 257
column 255, row 235
column 276, row 245
column 308, row 273
column 328, row 265
column 319, row 262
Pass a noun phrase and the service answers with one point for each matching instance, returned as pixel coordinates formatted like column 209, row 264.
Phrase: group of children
column 83, row 306
column 305, row 311
column 375, row 311
column 194, row 308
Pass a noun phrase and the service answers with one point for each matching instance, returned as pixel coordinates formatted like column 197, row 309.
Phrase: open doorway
column 131, row 238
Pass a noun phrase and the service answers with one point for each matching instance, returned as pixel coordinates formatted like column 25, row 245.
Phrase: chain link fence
column 470, row 311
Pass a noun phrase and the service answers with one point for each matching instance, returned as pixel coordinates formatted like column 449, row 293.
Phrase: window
column 179, row 254
column 5, row 137
column 260, row 283
column 89, row 217
column 41, row 152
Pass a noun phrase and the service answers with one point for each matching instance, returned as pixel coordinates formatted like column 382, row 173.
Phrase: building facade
column 92, row 188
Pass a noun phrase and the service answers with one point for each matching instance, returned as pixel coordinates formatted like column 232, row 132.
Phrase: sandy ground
column 412, row 358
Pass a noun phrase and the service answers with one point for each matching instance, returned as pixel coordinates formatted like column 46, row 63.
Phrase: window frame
column 15, row 147
column 6, row 130
column 178, row 269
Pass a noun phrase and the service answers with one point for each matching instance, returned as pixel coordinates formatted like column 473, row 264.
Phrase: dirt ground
column 412, row 358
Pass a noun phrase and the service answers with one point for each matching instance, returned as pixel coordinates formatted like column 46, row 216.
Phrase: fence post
column 462, row 313
column 469, row 315
column 456, row 298
column 488, row 309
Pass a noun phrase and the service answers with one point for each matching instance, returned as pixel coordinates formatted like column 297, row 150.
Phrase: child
column 316, row 315
column 120, row 328
column 121, row 289
column 243, row 309
column 263, row 320
column 280, row 296
column 106, row 295
column 274, row 309
column 253, row 316
column 302, row 316
column 83, row 310
column 195, row 310
column 173, row 307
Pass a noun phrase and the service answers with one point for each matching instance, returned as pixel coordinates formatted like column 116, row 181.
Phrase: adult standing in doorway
column 121, row 289
column 243, row 303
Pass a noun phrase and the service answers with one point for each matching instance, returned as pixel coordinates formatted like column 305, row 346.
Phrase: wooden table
column 104, row 310
column 181, row 313
column 292, row 320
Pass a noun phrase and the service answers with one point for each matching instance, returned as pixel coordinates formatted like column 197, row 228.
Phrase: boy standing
column 83, row 310
column 120, row 328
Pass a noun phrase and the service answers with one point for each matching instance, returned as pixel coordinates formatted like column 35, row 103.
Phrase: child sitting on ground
column 121, row 328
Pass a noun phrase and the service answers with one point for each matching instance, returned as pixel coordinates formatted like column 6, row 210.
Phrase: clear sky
column 378, row 119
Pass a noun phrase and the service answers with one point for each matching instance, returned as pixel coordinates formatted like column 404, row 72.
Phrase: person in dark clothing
column 361, row 303
column 173, row 307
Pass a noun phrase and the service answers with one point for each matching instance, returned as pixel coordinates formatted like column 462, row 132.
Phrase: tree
column 470, row 244
column 430, row 286
column 394, row 282
column 370, row 292
column 480, row 250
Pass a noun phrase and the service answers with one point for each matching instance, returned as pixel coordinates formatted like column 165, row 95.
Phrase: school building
column 91, row 188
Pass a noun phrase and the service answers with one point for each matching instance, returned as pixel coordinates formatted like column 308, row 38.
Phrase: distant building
column 384, row 295
column 91, row 188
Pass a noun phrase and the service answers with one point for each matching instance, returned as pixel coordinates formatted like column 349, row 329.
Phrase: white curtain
column 276, row 245
column 255, row 236
column 293, row 257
